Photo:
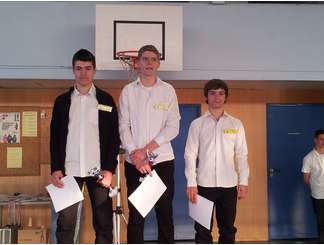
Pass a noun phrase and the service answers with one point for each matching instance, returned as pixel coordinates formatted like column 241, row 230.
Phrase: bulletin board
column 20, row 141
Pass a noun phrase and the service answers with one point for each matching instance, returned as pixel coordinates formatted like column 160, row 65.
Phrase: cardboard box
column 32, row 236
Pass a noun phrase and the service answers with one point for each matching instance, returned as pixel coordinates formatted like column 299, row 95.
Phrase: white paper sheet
column 201, row 211
column 66, row 196
column 147, row 194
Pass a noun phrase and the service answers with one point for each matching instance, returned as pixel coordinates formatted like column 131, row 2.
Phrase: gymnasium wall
column 232, row 41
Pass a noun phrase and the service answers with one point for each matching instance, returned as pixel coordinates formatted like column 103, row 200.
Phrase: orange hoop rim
column 127, row 54
column 128, row 58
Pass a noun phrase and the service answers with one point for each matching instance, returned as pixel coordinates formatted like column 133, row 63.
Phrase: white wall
column 231, row 41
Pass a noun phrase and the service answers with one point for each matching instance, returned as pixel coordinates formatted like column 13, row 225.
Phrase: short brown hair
column 148, row 48
column 215, row 84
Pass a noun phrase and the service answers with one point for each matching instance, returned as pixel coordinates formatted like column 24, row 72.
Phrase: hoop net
column 128, row 61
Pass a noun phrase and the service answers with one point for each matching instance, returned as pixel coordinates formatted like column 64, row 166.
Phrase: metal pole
column 118, row 209
column 118, row 212
column 115, row 230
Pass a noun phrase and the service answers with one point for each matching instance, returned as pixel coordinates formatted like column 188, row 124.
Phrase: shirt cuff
column 191, row 182
column 130, row 148
column 244, row 181
column 159, row 140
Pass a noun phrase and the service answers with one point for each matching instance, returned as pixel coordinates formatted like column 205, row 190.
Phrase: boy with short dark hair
column 84, row 135
column 217, row 141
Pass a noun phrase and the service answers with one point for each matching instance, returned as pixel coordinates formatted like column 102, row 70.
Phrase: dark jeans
column 225, row 200
column 319, row 211
column 101, row 205
column 163, row 207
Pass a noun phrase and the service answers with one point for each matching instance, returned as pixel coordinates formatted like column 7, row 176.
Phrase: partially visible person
column 216, row 163
column 85, row 135
column 313, row 171
column 149, row 120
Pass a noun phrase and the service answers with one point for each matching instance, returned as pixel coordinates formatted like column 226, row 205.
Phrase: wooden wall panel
column 249, row 218
column 45, row 121
column 248, row 104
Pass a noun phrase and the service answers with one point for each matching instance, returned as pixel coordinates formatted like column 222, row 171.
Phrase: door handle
column 272, row 171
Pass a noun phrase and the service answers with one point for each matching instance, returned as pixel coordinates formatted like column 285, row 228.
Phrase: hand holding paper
column 201, row 211
column 66, row 196
column 56, row 179
column 148, row 193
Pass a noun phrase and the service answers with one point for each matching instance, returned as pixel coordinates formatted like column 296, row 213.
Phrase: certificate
column 66, row 196
column 148, row 193
column 201, row 211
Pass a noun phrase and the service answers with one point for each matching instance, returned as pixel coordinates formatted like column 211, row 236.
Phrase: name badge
column 161, row 107
column 230, row 131
column 102, row 107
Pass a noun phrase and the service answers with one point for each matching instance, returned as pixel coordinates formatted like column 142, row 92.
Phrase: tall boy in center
column 149, row 120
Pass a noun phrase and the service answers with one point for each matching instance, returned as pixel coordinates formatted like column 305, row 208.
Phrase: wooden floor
column 285, row 241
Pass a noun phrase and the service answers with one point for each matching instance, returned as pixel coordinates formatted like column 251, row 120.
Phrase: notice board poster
column 10, row 127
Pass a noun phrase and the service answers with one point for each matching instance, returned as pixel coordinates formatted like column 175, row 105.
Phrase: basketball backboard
column 129, row 27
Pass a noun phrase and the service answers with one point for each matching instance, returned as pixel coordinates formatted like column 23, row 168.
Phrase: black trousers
column 319, row 211
column 101, row 205
column 163, row 207
column 225, row 200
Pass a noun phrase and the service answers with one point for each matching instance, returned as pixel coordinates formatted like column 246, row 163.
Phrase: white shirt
column 82, row 147
column 149, row 114
column 313, row 163
column 221, row 150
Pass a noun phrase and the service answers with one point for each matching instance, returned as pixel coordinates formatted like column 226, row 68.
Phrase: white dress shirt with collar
column 82, row 147
column 219, row 148
column 148, row 114
column 313, row 163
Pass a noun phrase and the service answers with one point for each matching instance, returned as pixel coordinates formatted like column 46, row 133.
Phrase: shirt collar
column 208, row 114
column 158, row 82
column 91, row 92
column 315, row 152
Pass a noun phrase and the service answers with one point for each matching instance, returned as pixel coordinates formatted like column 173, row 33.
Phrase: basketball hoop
column 128, row 60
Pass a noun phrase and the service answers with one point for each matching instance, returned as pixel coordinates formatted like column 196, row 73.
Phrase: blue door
column 290, row 130
column 183, row 223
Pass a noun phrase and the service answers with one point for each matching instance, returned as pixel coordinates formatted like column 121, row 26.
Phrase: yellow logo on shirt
column 102, row 107
column 161, row 106
column 230, row 131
